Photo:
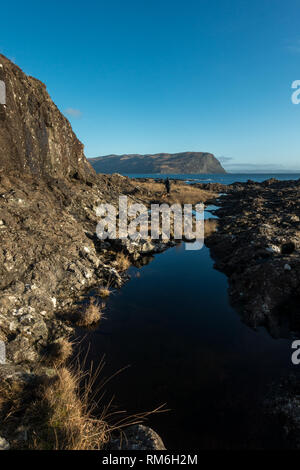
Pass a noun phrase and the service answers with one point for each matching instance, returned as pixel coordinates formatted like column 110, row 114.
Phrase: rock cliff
column 35, row 137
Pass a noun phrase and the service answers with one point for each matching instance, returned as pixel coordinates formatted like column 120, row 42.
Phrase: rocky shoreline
column 257, row 245
column 51, row 258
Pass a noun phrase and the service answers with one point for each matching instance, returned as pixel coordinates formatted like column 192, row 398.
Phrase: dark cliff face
column 35, row 137
column 176, row 163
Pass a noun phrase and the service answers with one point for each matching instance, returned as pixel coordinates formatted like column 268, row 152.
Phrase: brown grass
column 59, row 351
column 57, row 414
column 90, row 315
column 188, row 195
column 152, row 186
column 67, row 423
column 122, row 261
column 59, row 411
column 181, row 193
column 104, row 292
column 10, row 396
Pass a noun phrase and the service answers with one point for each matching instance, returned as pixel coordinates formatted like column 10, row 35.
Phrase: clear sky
column 147, row 76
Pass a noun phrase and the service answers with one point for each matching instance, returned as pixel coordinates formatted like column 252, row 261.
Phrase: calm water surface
column 186, row 347
column 227, row 178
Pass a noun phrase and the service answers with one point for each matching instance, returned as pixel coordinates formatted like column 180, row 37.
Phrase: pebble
column 4, row 444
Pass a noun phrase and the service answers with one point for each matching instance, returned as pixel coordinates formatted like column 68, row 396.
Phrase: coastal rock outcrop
column 35, row 137
column 257, row 245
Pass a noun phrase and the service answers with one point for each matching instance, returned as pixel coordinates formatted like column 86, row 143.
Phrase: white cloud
column 260, row 168
column 223, row 159
column 75, row 113
column 294, row 47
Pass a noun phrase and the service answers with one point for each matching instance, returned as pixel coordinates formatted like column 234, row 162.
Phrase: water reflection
column 186, row 347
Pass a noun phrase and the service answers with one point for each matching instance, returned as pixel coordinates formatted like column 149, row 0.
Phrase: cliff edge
column 35, row 137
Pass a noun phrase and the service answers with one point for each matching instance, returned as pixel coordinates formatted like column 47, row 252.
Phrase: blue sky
column 153, row 76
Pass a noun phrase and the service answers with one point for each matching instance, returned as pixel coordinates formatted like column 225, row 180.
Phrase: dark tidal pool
column 186, row 347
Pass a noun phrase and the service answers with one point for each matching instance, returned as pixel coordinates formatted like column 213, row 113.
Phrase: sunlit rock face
column 35, row 137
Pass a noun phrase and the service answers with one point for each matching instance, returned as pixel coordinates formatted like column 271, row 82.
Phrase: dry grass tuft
column 57, row 414
column 59, row 351
column 91, row 315
column 11, row 393
column 62, row 416
column 58, row 410
column 104, row 292
column 122, row 261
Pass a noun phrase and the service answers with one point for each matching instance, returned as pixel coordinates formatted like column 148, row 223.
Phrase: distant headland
column 165, row 163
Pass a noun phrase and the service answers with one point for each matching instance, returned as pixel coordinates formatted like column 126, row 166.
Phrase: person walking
column 168, row 185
